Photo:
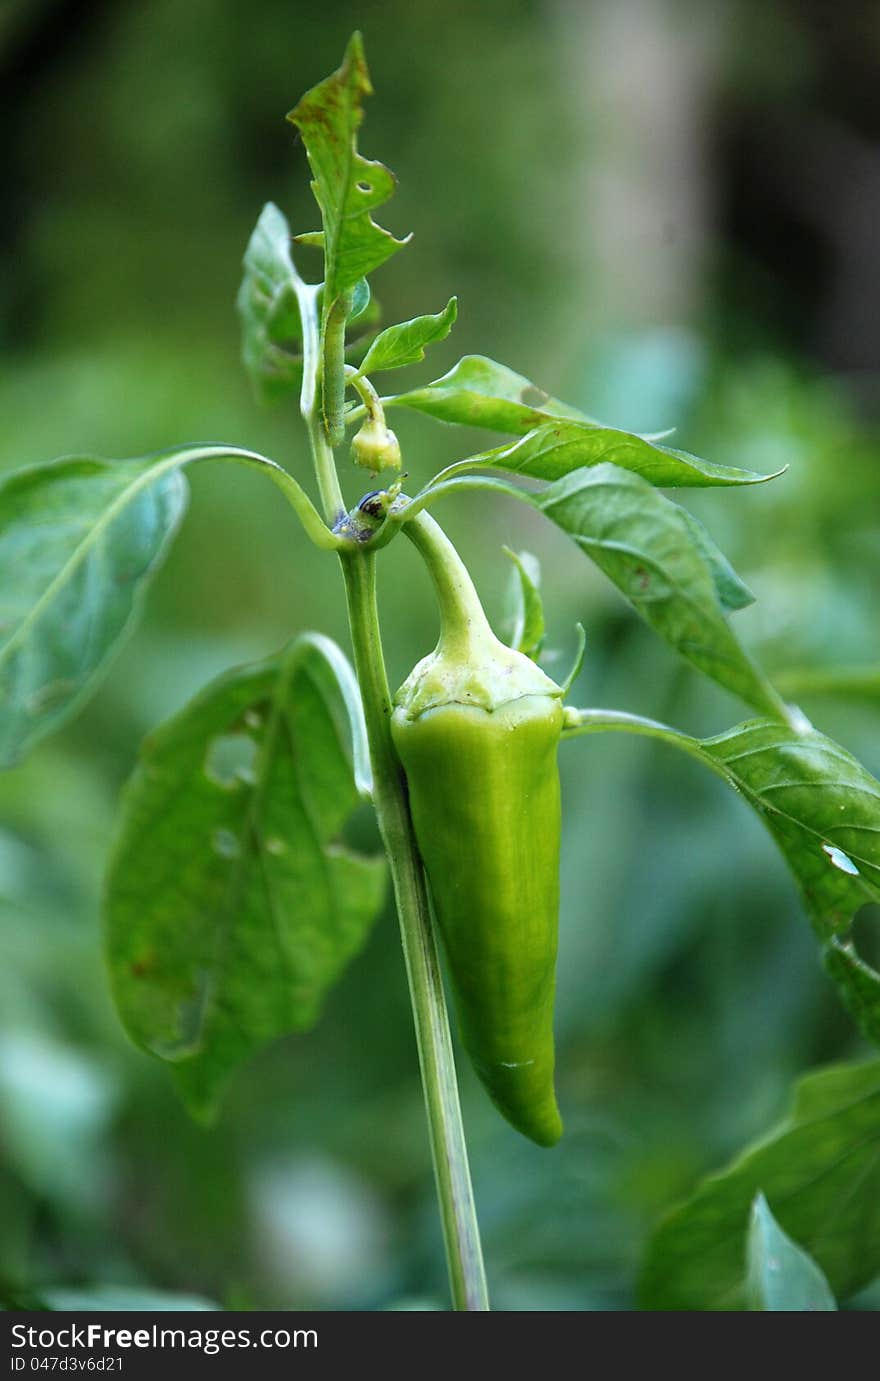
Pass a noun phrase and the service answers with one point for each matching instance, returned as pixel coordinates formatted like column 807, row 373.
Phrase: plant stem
column 461, row 1234
column 458, row 1213
column 325, row 470
column 333, row 369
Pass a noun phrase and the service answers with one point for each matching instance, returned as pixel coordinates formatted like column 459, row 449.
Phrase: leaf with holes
column 347, row 187
column 666, row 566
column 781, row 1277
column 277, row 309
column 80, row 539
column 232, row 904
column 821, row 1172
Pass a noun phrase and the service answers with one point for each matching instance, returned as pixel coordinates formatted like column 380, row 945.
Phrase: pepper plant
column 231, row 904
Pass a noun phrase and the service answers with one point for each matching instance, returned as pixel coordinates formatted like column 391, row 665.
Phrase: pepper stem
column 463, row 622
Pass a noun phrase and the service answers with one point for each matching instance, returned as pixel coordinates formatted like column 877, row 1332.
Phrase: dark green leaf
column 347, row 186
column 477, row 392
column 232, row 904
column 269, row 311
column 80, row 539
column 527, row 633
column 555, row 449
column 732, row 592
column 822, row 808
column 781, row 1278
column 405, row 344
column 647, row 546
column 858, row 984
column 821, row 1171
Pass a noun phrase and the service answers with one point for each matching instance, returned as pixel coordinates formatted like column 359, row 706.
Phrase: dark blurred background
column 664, row 212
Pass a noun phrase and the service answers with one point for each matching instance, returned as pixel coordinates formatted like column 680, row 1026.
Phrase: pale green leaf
column 527, row 632
column 647, row 546
column 820, row 1170
column 313, row 238
column 347, row 186
column 405, row 344
column 780, row 1277
column 271, row 347
column 478, row 392
column 232, row 903
column 555, row 449
column 555, row 438
column 361, row 300
column 80, row 539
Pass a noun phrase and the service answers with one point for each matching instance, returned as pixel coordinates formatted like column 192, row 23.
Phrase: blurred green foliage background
column 661, row 211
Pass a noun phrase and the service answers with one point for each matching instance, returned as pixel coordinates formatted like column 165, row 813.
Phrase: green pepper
column 476, row 726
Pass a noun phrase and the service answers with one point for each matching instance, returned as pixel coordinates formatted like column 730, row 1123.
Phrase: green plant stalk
column 449, row 1150
column 325, row 470
column 461, row 1235
column 333, row 378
